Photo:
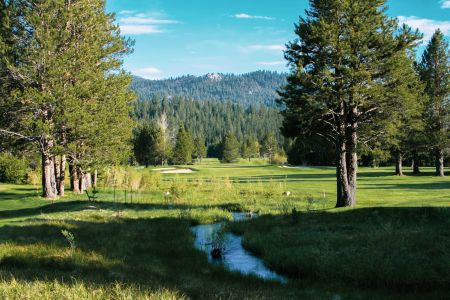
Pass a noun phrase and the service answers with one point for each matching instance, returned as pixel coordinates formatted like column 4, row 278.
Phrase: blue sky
column 178, row 37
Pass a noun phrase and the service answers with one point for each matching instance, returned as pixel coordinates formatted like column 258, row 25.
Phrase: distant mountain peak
column 214, row 76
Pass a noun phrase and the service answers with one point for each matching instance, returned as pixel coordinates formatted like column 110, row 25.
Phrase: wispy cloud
column 426, row 26
column 247, row 16
column 253, row 48
column 271, row 63
column 148, row 72
column 141, row 23
column 126, row 12
column 445, row 3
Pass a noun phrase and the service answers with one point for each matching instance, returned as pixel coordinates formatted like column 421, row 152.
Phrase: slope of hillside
column 257, row 88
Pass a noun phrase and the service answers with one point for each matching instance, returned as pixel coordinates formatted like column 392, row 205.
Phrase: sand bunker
column 178, row 171
column 163, row 169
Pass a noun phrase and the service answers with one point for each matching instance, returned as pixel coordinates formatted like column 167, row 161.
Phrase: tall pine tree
column 69, row 95
column 343, row 64
column 435, row 73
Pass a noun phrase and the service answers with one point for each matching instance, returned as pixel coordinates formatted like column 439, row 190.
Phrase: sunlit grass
column 140, row 246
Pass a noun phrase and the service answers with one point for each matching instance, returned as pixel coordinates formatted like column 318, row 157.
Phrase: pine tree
column 70, row 95
column 343, row 65
column 146, row 139
column 230, row 149
column 199, row 148
column 435, row 73
column 182, row 152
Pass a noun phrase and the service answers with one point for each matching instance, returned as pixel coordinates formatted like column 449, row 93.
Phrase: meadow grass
column 394, row 244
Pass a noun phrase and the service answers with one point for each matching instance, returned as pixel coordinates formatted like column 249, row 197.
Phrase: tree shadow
column 152, row 253
column 78, row 206
column 440, row 185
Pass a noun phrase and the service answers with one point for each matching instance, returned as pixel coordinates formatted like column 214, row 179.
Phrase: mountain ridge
column 254, row 88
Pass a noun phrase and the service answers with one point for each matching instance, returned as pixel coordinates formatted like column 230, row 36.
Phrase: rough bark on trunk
column 85, row 182
column 62, row 176
column 440, row 163
column 345, row 189
column 56, row 163
column 48, row 171
column 399, row 164
column 74, row 179
column 347, row 160
column 352, row 156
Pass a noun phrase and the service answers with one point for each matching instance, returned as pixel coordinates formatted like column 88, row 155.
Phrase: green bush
column 12, row 169
column 279, row 159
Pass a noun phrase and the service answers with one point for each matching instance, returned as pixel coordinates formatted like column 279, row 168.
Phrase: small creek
column 234, row 257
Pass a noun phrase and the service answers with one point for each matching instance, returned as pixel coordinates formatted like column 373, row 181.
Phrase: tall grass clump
column 12, row 288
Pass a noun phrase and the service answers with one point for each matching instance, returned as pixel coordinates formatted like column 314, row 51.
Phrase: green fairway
column 139, row 246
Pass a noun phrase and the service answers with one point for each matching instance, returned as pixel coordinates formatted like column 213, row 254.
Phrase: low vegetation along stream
column 226, row 248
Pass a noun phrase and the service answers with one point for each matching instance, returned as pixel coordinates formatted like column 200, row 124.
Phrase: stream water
column 235, row 257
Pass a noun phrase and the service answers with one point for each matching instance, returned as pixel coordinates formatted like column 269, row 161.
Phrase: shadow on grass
column 151, row 253
column 77, row 206
column 159, row 253
column 393, row 248
column 6, row 196
column 439, row 185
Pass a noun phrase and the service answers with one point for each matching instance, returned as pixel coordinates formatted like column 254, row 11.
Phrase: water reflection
column 234, row 256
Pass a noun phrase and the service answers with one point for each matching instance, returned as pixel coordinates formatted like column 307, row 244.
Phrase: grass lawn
column 139, row 246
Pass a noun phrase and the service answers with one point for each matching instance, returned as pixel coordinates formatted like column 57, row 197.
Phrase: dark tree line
column 155, row 143
column 212, row 119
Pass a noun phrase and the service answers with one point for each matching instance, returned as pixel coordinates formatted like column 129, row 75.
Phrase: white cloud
column 253, row 48
column 247, row 16
column 139, row 29
column 445, row 3
column 126, row 12
column 145, row 21
column 148, row 72
column 426, row 26
column 271, row 63
column 134, row 24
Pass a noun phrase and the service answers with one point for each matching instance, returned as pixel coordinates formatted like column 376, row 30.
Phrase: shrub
column 279, row 159
column 12, row 169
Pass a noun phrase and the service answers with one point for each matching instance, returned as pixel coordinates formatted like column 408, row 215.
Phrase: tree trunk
column 399, row 164
column 74, row 179
column 48, row 171
column 440, row 163
column 347, row 160
column 416, row 163
column 344, row 193
column 352, row 157
column 94, row 178
column 85, row 182
column 62, row 176
column 57, row 166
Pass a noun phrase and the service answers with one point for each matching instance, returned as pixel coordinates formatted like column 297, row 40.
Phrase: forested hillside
column 212, row 119
column 247, row 89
